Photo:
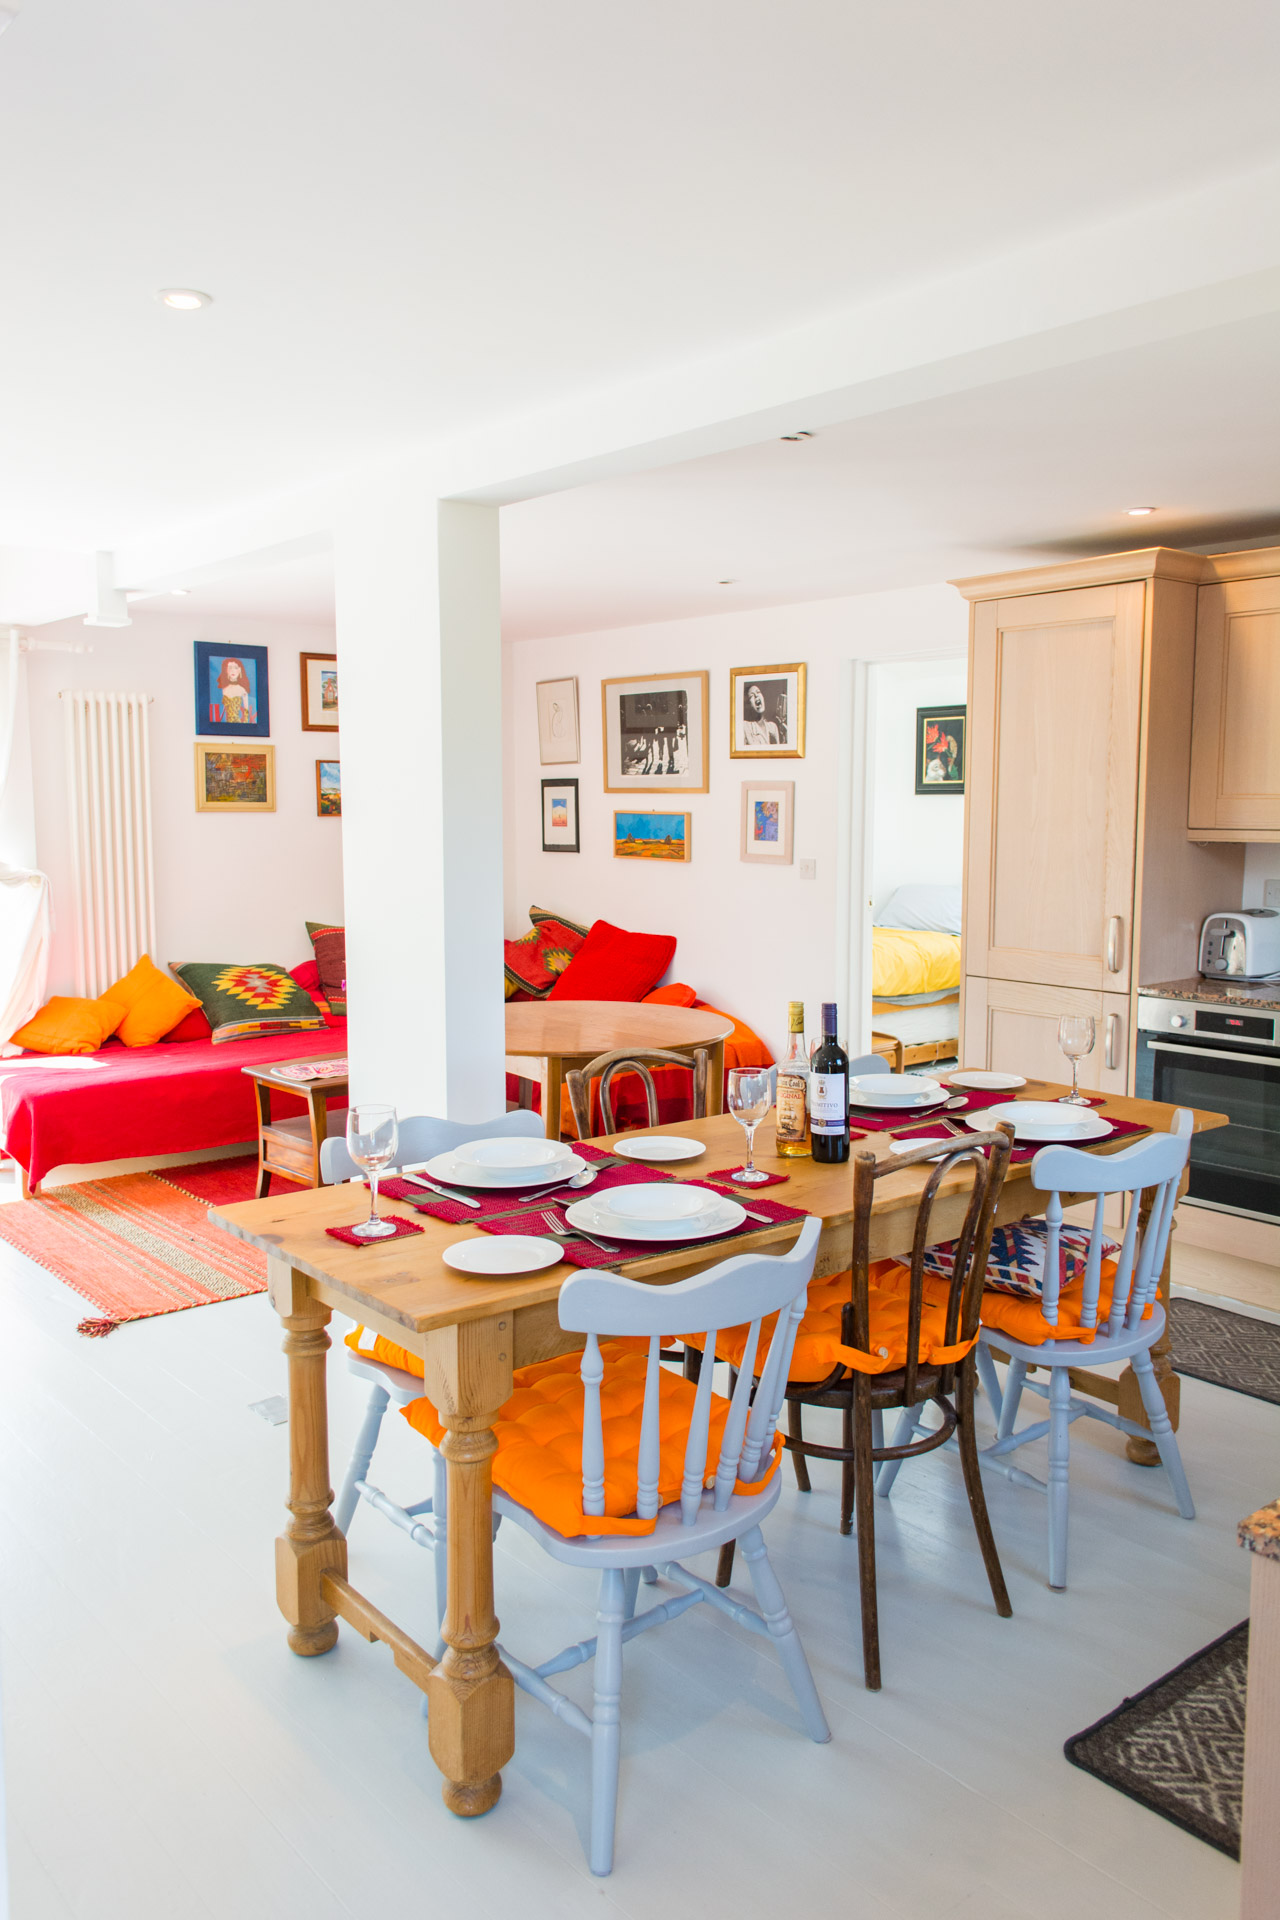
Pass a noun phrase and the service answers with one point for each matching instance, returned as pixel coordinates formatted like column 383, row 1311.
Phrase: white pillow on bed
column 923, row 909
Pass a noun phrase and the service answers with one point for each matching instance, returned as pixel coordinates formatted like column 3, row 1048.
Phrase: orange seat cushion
column 539, row 1435
column 1022, row 1319
column 147, row 1004
column 385, row 1350
column 66, row 1025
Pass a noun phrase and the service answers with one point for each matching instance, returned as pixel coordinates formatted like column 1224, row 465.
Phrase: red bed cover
column 137, row 1101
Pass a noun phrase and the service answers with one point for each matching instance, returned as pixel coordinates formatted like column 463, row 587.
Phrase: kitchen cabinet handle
column 1112, row 1055
column 1115, row 943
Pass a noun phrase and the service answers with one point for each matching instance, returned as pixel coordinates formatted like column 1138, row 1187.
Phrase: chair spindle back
column 607, row 1066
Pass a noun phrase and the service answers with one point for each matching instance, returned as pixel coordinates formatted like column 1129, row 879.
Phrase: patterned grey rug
column 1178, row 1747
column 1227, row 1349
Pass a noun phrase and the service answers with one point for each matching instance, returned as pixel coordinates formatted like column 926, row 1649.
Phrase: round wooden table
column 546, row 1038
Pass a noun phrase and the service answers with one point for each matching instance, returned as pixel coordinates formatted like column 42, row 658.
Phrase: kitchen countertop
column 1221, row 992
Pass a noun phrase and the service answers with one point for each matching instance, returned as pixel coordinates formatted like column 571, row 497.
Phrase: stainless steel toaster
column 1244, row 945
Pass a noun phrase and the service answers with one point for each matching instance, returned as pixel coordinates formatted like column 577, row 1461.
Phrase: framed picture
column 235, row 779
column 558, row 722
column 766, row 712
column 329, row 789
column 231, row 692
column 941, row 749
column 655, row 733
column 652, row 836
column 319, row 692
column 560, row 816
column 768, row 821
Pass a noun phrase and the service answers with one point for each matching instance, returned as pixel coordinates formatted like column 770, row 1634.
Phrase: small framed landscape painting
column 558, row 722
column 655, row 733
column 329, row 788
column 235, row 779
column 319, row 692
column 560, row 816
column 941, row 741
column 768, row 821
column 652, row 836
column 766, row 712
column 231, row 692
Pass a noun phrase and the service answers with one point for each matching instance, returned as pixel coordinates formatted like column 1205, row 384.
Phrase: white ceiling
column 417, row 218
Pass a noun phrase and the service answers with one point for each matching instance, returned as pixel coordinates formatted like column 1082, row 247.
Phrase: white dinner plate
column 659, row 1146
column 453, row 1172
column 1042, row 1120
column 893, row 1089
column 721, row 1216
column 924, row 1105
column 498, row 1254
column 946, row 1144
column 667, row 1201
column 983, row 1082
column 521, row 1154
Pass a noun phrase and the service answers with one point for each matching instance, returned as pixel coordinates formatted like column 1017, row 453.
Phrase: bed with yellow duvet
column 915, row 973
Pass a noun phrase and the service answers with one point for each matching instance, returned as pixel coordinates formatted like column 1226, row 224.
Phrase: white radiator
column 109, row 794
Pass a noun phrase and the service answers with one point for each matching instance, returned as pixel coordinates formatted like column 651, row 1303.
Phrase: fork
column 576, row 1233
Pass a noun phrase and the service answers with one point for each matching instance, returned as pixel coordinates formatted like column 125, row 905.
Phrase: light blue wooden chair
column 599, row 1305
column 1158, row 1164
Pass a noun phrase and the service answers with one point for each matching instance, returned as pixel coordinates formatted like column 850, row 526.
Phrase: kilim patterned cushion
column 243, row 1002
column 535, row 962
column 1015, row 1263
column 330, row 944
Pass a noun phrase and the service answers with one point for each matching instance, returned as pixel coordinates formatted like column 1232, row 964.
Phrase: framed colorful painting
column 652, row 836
column 655, row 733
column 232, row 694
column 766, row 712
column 319, row 692
column 941, row 743
column 329, row 788
column 768, row 821
column 235, row 779
column 560, row 816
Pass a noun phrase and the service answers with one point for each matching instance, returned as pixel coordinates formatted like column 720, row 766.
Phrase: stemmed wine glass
column 1076, row 1035
column 750, row 1091
column 372, row 1140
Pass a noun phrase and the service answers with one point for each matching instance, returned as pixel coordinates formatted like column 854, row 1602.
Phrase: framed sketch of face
column 766, row 712
column 655, row 734
column 558, row 722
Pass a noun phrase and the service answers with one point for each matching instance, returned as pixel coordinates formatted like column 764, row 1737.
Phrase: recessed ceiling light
column 1138, row 513
column 179, row 589
column 805, row 433
column 184, row 299
column 726, row 583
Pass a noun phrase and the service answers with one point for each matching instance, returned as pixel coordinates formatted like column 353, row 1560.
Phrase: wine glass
column 372, row 1140
column 750, row 1097
column 1076, row 1035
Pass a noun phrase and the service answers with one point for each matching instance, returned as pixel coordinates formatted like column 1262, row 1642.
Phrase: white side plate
column 660, row 1146
column 983, row 1082
column 921, row 1105
column 499, row 1254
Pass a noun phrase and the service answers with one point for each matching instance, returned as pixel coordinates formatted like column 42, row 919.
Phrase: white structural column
column 419, row 666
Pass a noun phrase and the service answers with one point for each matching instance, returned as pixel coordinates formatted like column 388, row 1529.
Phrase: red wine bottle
column 829, row 1093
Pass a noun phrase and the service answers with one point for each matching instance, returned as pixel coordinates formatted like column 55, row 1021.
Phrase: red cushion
column 193, row 1026
column 672, row 995
column 612, row 964
column 307, row 975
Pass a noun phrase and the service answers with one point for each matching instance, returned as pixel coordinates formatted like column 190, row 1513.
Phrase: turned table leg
column 1144, row 1452
column 310, row 1545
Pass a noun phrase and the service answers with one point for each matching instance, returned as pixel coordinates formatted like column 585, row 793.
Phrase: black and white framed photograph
column 558, row 722
column 560, row 816
column 655, row 734
column 766, row 712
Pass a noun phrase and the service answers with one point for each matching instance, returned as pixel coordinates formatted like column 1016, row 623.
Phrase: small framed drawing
column 329, row 789
column 941, row 739
column 560, row 816
column 231, row 692
column 558, row 722
column 766, row 712
column 235, row 779
column 655, row 733
column 652, row 836
column 319, row 692
column 768, row 821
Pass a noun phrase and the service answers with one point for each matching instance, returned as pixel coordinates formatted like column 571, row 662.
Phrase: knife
column 462, row 1199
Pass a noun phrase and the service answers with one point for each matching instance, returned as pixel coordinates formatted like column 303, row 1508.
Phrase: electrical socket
column 1271, row 894
column 808, row 869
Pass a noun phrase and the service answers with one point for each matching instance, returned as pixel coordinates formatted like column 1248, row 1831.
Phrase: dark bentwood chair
column 608, row 1065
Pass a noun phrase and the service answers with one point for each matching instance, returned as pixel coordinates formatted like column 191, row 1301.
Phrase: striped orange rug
column 141, row 1244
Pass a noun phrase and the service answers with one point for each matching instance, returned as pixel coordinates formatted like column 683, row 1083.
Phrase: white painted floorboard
column 168, row 1757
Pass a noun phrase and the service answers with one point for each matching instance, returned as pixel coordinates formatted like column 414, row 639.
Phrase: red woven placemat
column 402, row 1229
column 494, row 1205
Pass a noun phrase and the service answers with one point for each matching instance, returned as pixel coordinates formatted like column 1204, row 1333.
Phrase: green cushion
column 243, row 1002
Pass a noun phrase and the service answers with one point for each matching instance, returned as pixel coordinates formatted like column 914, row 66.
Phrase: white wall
column 915, row 837
column 1261, row 863
column 750, row 938
column 235, row 887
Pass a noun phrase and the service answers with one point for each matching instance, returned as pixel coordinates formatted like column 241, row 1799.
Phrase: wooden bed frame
column 918, row 1053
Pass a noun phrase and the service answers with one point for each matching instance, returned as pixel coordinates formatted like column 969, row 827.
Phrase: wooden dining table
column 471, row 1335
column 548, row 1038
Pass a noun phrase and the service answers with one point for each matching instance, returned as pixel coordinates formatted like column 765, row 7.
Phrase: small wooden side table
column 290, row 1147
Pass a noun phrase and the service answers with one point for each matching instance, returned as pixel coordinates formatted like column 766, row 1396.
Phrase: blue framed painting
column 232, row 696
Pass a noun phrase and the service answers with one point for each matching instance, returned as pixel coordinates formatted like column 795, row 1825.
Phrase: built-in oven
column 1225, row 1057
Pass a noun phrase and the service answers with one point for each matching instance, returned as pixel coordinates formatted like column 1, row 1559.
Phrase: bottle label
column 828, row 1103
column 791, row 1105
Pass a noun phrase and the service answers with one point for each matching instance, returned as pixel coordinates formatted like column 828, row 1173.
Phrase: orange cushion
column 387, row 1351
column 1022, row 1319
column 539, row 1434
column 148, row 1004
column 65, row 1025
column 674, row 994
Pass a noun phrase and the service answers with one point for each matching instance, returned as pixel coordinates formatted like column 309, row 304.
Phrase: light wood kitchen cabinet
column 1235, row 752
column 1012, row 1025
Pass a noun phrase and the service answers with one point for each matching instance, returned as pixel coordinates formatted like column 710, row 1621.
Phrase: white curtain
column 25, row 916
